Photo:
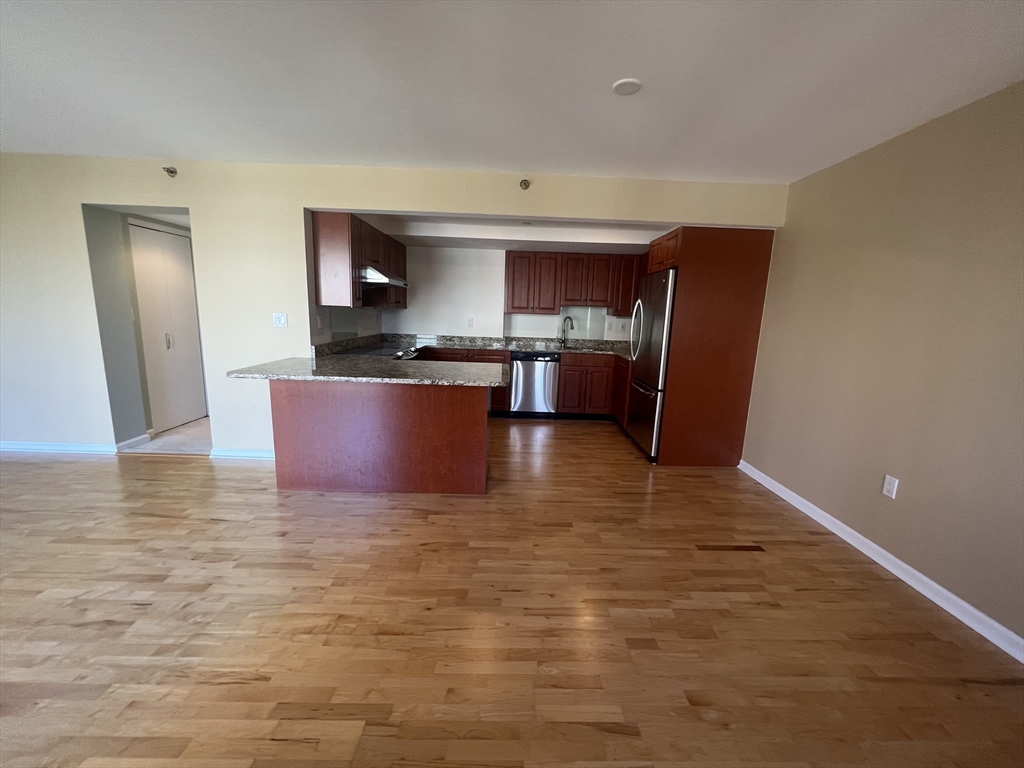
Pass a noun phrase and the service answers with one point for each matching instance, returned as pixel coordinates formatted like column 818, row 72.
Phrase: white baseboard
column 227, row 453
column 989, row 628
column 134, row 442
column 34, row 447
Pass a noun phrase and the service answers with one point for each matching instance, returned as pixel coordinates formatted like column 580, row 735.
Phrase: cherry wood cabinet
column 519, row 292
column 572, row 389
column 336, row 245
column 626, row 284
column 342, row 245
column 388, row 255
column 575, row 287
column 532, row 283
column 599, row 390
column 542, row 283
column 665, row 250
column 585, row 383
column 547, row 283
column 588, row 279
column 501, row 397
column 716, row 321
column 621, row 376
column 443, row 355
column 398, row 298
column 601, row 280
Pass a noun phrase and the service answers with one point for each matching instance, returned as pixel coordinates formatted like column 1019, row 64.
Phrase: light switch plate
column 280, row 320
column 889, row 486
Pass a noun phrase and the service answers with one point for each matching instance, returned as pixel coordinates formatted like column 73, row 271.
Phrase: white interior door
column 169, row 325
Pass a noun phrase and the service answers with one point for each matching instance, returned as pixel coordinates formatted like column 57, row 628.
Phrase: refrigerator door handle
column 640, row 338
column 645, row 389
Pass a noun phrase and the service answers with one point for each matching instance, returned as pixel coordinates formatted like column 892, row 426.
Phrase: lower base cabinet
column 621, row 376
column 500, row 396
column 585, row 383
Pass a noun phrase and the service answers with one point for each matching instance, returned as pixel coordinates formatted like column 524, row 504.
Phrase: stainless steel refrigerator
column 648, row 346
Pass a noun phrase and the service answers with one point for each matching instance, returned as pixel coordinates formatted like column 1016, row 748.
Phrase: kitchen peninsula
column 372, row 424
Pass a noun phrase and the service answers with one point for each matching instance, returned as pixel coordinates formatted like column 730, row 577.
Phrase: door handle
column 644, row 391
column 167, row 340
column 640, row 336
column 632, row 330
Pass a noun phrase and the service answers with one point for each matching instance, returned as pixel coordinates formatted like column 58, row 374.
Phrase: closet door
column 169, row 326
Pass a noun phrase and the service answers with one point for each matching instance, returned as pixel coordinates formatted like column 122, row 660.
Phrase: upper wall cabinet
column 665, row 251
column 625, row 284
column 335, row 268
column 543, row 283
column 342, row 245
column 587, row 279
column 532, row 283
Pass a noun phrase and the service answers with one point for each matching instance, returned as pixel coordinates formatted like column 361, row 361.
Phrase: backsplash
column 591, row 323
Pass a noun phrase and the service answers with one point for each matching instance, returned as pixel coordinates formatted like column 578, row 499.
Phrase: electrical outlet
column 280, row 320
column 889, row 486
column 469, row 322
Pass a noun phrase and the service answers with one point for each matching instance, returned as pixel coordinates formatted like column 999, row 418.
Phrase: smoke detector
column 627, row 86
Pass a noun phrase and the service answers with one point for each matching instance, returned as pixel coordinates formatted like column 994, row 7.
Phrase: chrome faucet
column 572, row 327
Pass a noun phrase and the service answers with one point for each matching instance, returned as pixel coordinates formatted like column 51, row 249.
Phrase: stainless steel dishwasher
column 535, row 382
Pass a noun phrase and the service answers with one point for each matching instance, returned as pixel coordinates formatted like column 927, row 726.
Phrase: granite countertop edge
column 354, row 345
column 376, row 370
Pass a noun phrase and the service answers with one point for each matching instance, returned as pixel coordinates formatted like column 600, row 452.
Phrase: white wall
column 447, row 286
column 249, row 249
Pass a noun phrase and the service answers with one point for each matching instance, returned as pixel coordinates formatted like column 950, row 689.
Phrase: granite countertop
column 378, row 370
column 361, row 345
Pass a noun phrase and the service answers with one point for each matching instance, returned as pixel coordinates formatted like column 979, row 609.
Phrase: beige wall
column 892, row 343
column 249, row 252
column 447, row 286
column 113, row 284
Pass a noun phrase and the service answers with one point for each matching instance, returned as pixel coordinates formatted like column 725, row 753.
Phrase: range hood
column 376, row 276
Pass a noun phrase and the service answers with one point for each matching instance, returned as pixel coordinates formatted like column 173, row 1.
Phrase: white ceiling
column 748, row 90
column 518, row 234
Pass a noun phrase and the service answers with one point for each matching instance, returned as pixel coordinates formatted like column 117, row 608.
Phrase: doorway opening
column 144, row 285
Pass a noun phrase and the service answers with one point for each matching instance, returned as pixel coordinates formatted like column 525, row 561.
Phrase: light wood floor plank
column 591, row 610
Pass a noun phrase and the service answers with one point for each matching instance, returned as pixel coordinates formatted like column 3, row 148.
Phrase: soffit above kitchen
column 517, row 233
column 731, row 91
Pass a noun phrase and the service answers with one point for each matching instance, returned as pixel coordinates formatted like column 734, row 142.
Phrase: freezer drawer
column 644, row 419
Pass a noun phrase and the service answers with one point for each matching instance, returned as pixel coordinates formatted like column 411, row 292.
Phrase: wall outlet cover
column 469, row 322
column 280, row 320
column 889, row 486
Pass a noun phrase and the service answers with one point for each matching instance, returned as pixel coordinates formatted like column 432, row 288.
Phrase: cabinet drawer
column 488, row 356
column 443, row 355
column 587, row 360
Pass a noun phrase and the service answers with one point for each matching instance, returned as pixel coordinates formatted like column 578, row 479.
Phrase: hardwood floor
column 591, row 610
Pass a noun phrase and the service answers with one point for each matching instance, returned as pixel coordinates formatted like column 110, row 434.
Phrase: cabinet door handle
column 167, row 340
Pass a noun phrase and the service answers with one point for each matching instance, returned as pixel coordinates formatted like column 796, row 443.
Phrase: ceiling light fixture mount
column 627, row 86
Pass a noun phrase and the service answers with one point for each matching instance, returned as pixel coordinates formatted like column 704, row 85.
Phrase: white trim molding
column 134, row 442
column 1005, row 639
column 34, row 447
column 228, row 453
